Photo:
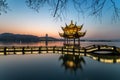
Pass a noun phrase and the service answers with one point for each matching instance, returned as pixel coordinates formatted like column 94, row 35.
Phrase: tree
column 92, row 7
column 58, row 8
column 3, row 6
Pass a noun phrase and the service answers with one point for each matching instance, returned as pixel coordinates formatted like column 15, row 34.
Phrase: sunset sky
column 20, row 19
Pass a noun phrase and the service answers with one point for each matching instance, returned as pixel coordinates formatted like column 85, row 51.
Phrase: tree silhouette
column 3, row 6
column 92, row 7
column 96, row 8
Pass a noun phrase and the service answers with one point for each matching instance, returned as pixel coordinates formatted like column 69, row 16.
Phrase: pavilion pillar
column 64, row 40
column 78, row 41
column 74, row 41
column 67, row 40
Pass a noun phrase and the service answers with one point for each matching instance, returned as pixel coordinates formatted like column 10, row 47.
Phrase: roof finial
column 66, row 25
column 71, row 21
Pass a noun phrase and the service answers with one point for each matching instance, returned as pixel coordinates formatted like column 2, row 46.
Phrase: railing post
column 47, row 49
column 23, row 50
column 114, row 60
column 114, row 49
column 5, row 50
column 98, row 47
column 54, row 49
column 84, row 51
column 31, row 50
column 98, row 59
column 62, row 50
column 14, row 50
column 39, row 49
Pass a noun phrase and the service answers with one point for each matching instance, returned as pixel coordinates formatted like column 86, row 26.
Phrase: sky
column 20, row 19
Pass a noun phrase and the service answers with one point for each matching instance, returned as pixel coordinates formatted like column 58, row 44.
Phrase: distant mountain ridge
column 10, row 37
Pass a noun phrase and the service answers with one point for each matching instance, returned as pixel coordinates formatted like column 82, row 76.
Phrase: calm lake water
column 53, row 67
column 59, row 43
column 49, row 66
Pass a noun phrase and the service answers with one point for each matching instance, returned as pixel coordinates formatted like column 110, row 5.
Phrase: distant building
column 71, row 34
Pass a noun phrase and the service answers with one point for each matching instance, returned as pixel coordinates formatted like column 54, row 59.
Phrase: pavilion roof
column 72, row 31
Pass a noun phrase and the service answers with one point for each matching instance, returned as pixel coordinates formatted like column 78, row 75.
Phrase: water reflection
column 48, row 67
column 41, row 43
column 72, row 62
column 105, row 58
column 58, row 43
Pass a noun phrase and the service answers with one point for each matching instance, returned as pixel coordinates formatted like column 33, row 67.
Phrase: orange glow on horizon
column 55, row 35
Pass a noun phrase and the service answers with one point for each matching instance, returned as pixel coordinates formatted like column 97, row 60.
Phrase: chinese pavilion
column 72, row 33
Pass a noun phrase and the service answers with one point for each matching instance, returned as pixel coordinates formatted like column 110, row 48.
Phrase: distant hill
column 10, row 37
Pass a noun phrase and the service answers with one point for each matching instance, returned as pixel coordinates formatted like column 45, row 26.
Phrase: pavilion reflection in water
column 72, row 62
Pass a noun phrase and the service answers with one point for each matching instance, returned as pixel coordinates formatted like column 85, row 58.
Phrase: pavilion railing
column 55, row 49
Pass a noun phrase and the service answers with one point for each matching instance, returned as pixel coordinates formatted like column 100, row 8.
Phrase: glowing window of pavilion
column 72, row 33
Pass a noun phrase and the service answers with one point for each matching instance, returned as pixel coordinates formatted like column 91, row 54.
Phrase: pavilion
column 71, row 34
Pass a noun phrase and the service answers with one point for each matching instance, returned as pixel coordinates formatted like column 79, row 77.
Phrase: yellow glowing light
column 70, row 63
column 107, row 60
column 118, row 60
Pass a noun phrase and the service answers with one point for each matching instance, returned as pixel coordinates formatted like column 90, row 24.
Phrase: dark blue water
column 57, row 67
